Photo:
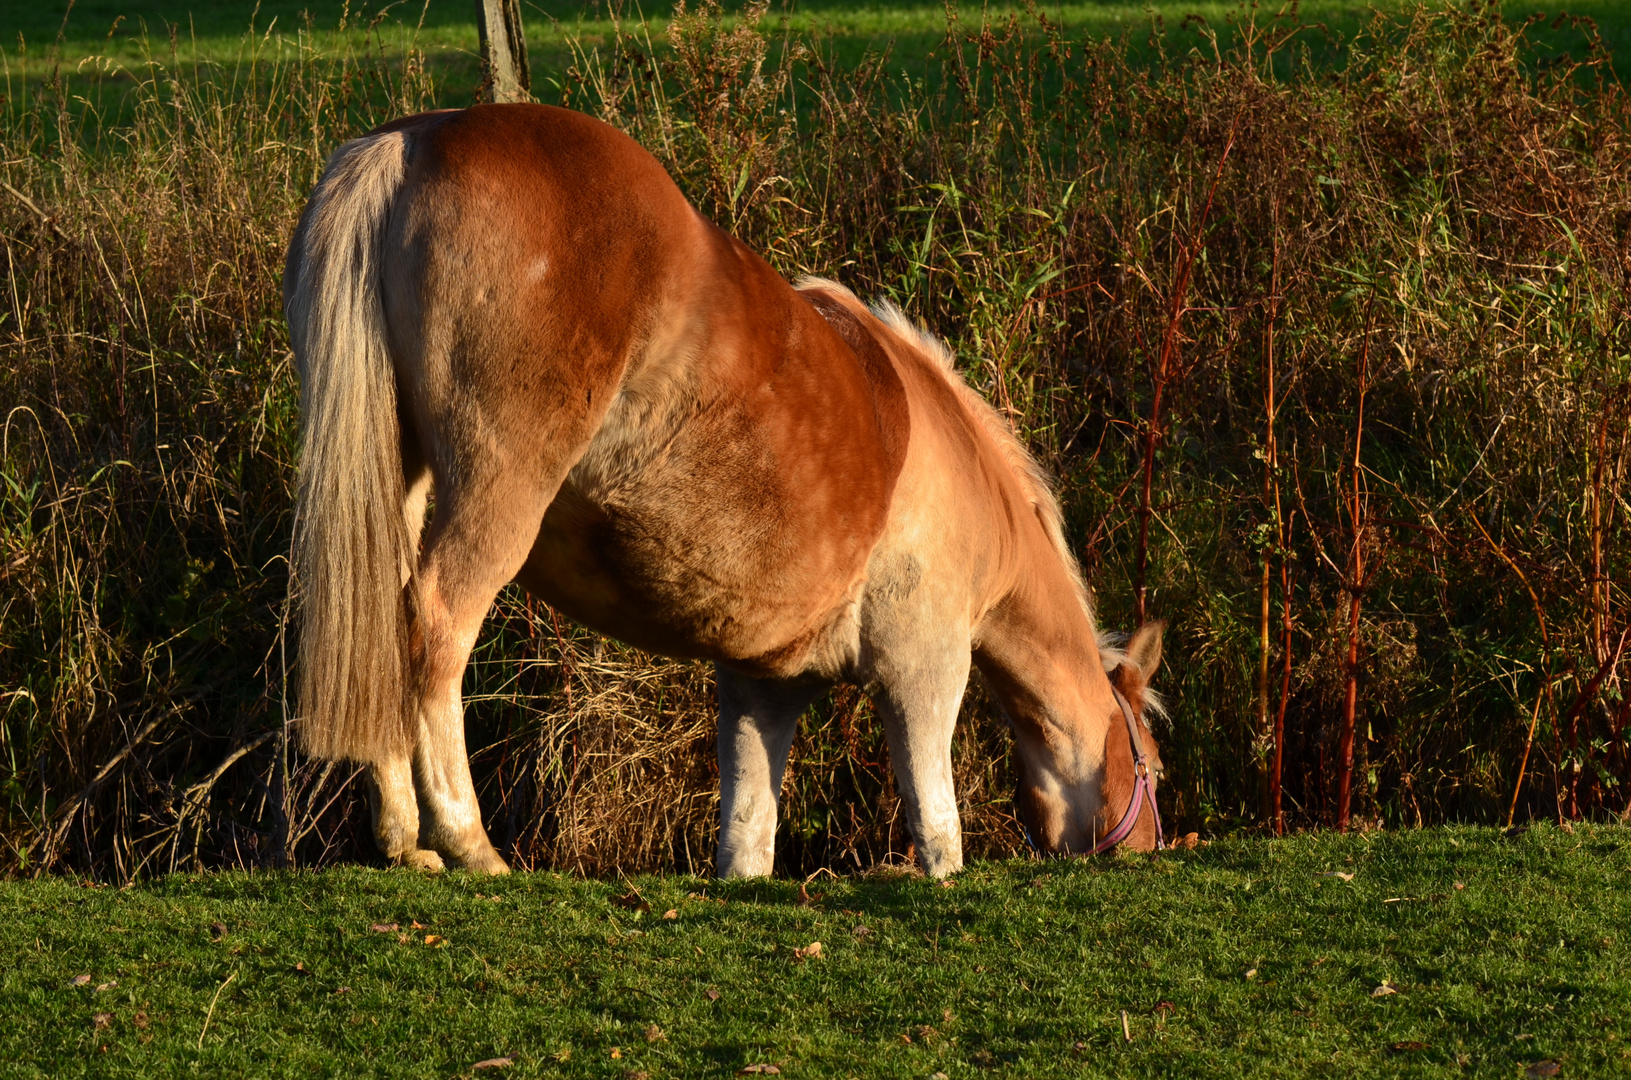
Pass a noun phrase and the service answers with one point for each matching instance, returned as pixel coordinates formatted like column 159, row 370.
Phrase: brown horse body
column 624, row 409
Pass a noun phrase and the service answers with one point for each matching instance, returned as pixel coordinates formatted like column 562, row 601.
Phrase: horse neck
column 1039, row 653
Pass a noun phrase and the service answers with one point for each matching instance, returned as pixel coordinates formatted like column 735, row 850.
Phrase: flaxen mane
column 1032, row 478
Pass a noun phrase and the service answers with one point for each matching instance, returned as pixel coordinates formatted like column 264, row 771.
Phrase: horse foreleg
column 757, row 721
column 918, row 703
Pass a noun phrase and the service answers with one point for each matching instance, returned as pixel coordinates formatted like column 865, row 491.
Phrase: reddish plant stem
column 1285, row 678
column 1169, row 348
column 1587, row 694
column 1268, row 774
column 1545, row 693
column 1581, row 748
column 1355, row 585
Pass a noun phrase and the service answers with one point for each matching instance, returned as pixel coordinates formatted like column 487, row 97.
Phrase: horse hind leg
column 479, row 539
column 392, row 798
column 757, row 721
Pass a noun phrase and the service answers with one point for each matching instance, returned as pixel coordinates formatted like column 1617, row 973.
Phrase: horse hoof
column 486, row 861
column 420, row 859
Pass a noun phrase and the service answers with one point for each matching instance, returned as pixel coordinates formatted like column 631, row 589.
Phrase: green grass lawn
column 126, row 31
column 1246, row 957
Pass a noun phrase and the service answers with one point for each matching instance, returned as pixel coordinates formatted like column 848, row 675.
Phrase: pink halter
column 1143, row 788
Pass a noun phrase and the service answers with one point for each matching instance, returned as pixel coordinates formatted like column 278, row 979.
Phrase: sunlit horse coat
column 623, row 408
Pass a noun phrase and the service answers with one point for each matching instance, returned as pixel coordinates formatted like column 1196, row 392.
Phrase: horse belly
column 666, row 571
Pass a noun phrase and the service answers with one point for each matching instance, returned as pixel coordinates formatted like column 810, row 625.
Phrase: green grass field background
column 36, row 38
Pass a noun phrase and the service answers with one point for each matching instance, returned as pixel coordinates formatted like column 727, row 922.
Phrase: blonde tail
column 350, row 537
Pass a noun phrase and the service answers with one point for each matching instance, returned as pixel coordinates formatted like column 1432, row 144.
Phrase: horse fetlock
column 746, row 850
column 482, row 861
column 744, row 864
column 941, row 855
column 394, row 807
column 467, row 850
column 418, row 859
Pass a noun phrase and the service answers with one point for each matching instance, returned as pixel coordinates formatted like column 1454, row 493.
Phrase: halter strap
column 1143, row 788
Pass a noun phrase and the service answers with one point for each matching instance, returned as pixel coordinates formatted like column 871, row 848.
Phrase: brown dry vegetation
column 1120, row 254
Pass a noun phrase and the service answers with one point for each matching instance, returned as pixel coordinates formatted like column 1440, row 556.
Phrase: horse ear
column 1145, row 648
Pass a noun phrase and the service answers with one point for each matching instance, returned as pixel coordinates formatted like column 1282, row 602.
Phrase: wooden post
column 505, row 75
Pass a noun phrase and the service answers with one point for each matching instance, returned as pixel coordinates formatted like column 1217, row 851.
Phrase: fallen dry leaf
column 713, row 995
column 402, row 938
column 938, row 1076
column 140, row 1020
column 861, row 931
column 1252, row 974
column 1409, row 1045
column 109, row 985
column 385, row 928
column 300, row 968
column 805, row 899
column 1164, row 1006
column 417, row 925
column 435, row 939
column 654, row 1033
column 1385, row 989
column 341, row 990
column 811, row 951
column 905, row 1039
column 948, row 884
column 105, row 1020
column 755, row 1070
column 616, row 1053
column 1337, row 874
column 1459, row 886
column 636, row 1074
column 1547, row 1067
column 79, row 980
column 671, row 913
column 494, row 1063
column 1187, row 841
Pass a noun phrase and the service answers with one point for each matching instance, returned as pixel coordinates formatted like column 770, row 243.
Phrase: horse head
column 1074, row 809
column 1131, row 680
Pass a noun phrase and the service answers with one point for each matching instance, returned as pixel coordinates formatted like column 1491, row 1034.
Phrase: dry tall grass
column 1190, row 272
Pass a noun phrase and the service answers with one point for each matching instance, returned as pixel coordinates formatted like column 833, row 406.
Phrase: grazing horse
column 513, row 309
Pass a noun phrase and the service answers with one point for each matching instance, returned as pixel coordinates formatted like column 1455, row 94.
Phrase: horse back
column 731, row 452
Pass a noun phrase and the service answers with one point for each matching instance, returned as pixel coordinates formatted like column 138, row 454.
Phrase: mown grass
column 36, row 39
column 1237, row 958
